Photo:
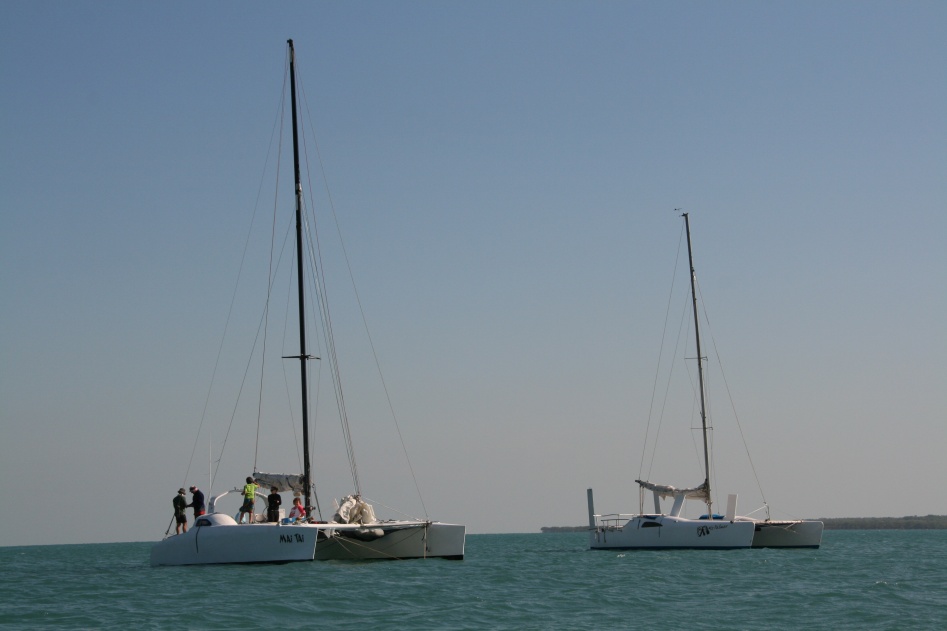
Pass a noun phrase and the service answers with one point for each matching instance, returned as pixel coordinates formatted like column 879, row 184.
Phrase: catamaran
column 659, row 529
column 669, row 529
column 354, row 532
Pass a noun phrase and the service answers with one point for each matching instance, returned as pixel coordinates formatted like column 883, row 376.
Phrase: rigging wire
column 287, row 239
column 657, row 372
column 305, row 324
column 271, row 270
column 360, row 308
column 269, row 293
column 233, row 298
column 320, row 296
column 683, row 328
column 733, row 406
column 286, row 389
column 695, row 400
column 312, row 239
column 243, row 382
column 683, row 333
column 311, row 231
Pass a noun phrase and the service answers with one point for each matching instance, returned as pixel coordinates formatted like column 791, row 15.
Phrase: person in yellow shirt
column 249, row 493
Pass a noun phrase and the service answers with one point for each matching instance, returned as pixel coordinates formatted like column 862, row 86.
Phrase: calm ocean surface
column 857, row 580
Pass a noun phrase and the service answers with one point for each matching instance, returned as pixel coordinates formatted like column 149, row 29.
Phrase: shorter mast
column 700, row 365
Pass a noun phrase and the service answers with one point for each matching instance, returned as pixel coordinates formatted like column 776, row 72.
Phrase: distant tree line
column 913, row 522
column 564, row 528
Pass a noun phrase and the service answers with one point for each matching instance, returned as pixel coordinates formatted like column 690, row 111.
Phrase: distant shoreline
column 914, row 522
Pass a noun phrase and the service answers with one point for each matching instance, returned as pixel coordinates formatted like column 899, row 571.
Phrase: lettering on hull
column 703, row 531
column 294, row 538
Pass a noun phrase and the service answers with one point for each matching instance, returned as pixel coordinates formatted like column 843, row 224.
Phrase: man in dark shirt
column 180, row 516
column 273, row 503
column 197, row 502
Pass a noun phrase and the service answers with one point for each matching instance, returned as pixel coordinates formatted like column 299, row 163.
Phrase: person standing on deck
column 249, row 493
column 197, row 502
column 180, row 515
column 273, row 502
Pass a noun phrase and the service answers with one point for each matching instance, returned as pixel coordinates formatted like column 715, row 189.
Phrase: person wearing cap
column 180, row 516
column 249, row 493
column 273, row 502
column 197, row 502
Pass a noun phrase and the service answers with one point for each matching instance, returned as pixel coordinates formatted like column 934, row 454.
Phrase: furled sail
column 697, row 493
column 282, row 481
column 352, row 510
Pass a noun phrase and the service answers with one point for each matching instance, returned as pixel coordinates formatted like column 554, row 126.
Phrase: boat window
column 203, row 522
column 651, row 524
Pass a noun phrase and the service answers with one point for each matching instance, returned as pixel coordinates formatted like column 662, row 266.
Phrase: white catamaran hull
column 786, row 534
column 222, row 540
column 391, row 540
column 660, row 532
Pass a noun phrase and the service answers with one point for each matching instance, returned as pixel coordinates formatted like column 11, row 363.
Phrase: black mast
column 303, row 357
column 700, row 364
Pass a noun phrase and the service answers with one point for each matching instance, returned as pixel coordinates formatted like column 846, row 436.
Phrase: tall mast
column 700, row 364
column 303, row 357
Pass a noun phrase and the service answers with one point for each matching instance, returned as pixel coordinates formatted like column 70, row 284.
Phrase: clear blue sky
column 505, row 175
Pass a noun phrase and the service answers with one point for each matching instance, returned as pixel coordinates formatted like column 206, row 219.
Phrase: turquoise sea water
column 857, row 580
